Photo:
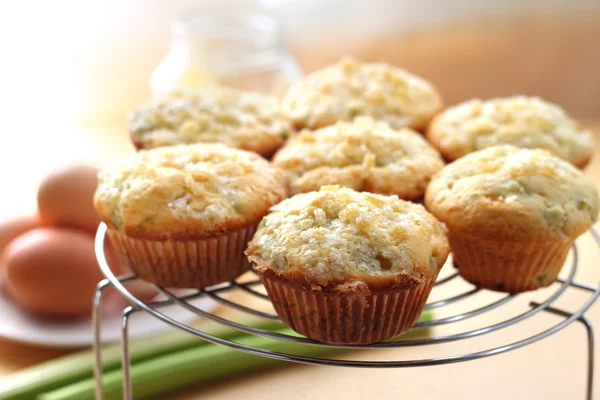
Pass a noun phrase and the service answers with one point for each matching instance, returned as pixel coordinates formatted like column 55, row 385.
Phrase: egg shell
column 11, row 228
column 66, row 197
column 52, row 271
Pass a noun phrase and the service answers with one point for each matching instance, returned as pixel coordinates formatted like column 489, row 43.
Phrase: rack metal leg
column 97, row 327
column 125, row 360
column 97, row 342
column 590, row 334
column 590, row 348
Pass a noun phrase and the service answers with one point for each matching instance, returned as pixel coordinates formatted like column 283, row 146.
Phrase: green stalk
column 184, row 368
column 28, row 383
column 195, row 366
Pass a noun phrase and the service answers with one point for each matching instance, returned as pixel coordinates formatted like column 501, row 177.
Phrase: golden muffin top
column 363, row 155
column 188, row 191
column 513, row 194
column 338, row 235
column 527, row 122
column 352, row 88
column 244, row 120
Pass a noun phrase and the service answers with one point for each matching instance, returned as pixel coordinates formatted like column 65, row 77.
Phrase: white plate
column 19, row 325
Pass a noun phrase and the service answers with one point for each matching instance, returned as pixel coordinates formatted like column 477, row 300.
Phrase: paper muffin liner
column 347, row 317
column 194, row 263
column 512, row 267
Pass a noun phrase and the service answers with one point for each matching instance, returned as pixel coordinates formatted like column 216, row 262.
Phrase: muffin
column 243, row 120
column 352, row 88
column 512, row 214
column 363, row 155
column 181, row 216
column 526, row 122
column 342, row 266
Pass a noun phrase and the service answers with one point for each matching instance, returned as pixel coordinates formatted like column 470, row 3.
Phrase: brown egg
column 12, row 228
column 52, row 271
column 9, row 230
column 66, row 198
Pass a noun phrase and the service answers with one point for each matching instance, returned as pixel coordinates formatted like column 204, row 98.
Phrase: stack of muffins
column 352, row 255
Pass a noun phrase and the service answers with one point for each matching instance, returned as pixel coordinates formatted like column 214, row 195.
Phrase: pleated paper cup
column 511, row 267
column 194, row 263
column 358, row 316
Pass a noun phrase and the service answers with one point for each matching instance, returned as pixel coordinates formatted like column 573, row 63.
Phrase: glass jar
column 235, row 44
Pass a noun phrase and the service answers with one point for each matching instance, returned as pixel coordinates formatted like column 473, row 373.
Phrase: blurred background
column 92, row 61
column 95, row 58
column 70, row 66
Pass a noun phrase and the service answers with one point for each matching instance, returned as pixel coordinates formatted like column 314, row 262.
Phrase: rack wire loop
column 249, row 287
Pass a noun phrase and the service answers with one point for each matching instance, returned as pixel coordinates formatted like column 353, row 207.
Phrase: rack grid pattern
column 219, row 292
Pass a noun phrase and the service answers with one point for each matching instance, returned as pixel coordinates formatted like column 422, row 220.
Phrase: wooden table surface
column 551, row 369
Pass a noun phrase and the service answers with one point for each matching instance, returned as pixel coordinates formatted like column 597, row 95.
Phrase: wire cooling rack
column 253, row 287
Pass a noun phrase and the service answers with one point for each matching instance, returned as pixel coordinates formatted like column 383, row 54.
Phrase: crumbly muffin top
column 245, row 120
column 188, row 191
column 527, row 122
column 352, row 88
column 364, row 155
column 513, row 194
column 337, row 235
